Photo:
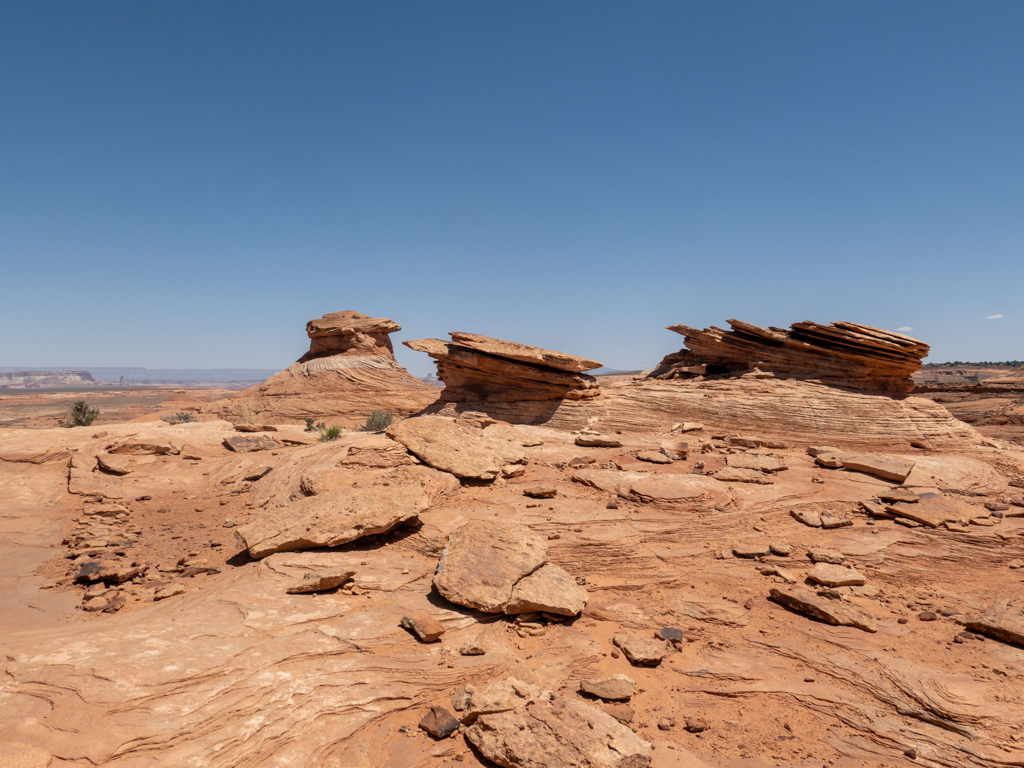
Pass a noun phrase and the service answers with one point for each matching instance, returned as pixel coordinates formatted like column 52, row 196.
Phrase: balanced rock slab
column 333, row 518
column 484, row 560
column 457, row 446
column 524, row 353
column 116, row 465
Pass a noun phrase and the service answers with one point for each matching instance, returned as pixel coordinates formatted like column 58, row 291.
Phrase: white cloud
column 905, row 329
column 994, row 317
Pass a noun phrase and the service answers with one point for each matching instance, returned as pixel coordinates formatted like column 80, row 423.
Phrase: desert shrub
column 329, row 433
column 183, row 417
column 377, row 421
column 81, row 415
column 249, row 414
column 311, row 425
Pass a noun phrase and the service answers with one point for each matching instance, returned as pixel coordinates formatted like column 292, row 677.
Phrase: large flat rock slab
column 933, row 511
column 484, row 560
column 557, row 733
column 458, row 446
column 524, row 353
column 821, row 608
column 333, row 518
column 1004, row 621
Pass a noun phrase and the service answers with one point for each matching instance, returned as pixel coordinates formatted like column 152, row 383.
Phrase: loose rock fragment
column 320, row 582
column 807, row 517
column 439, row 722
column 426, row 628
column 835, row 576
column 826, row 556
column 549, row 589
column 597, row 441
column 615, row 688
column 641, row 651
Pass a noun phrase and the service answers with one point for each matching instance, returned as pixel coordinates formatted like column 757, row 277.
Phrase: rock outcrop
column 349, row 371
column 845, row 355
column 481, row 369
column 463, row 447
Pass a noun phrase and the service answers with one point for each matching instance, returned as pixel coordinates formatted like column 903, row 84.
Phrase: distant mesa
column 44, row 379
column 349, row 371
column 844, row 355
column 481, row 369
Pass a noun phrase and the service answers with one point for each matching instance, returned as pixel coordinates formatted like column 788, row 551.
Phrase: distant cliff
column 44, row 379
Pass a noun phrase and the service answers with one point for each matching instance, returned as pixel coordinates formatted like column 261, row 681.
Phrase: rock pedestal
column 481, row 369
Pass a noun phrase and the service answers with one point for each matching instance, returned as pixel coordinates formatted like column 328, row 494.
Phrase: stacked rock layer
column 846, row 355
column 479, row 369
column 349, row 371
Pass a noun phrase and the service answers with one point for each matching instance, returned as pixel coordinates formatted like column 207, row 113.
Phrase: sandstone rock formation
column 481, row 369
column 463, row 447
column 846, row 355
column 349, row 371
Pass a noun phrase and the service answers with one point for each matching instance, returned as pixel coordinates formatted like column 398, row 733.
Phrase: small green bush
column 183, row 417
column 378, row 421
column 310, row 425
column 329, row 433
column 81, row 415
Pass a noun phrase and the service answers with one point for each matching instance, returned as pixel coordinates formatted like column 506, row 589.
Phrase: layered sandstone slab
column 481, row 369
column 840, row 354
column 348, row 372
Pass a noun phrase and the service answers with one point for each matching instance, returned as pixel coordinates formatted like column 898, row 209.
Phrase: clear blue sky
column 185, row 184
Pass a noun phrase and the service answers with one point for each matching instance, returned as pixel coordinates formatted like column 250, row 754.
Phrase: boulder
column 654, row 457
column 333, row 518
column 641, row 651
column 829, row 611
column 820, row 555
column 426, row 628
column 549, row 589
column 1004, row 621
column 807, row 517
column 614, row 688
column 439, row 722
column 484, row 560
column 116, row 465
column 557, row 733
column 458, row 446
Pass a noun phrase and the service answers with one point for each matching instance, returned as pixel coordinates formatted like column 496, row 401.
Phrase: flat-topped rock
column 641, row 651
column 320, row 581
column 348, row 323
column 835, row 576
column 933, row 511
column 484, row 560
column 893, row 468
column 333, row 518
column 614, row 688
column 459, row 446
column 549, row 589
column 513, row 350
column 759, row 463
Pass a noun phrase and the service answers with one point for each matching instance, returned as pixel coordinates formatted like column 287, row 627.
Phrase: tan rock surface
column 1003, row 621
column 548, row 589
